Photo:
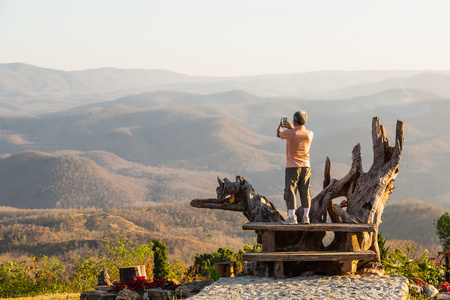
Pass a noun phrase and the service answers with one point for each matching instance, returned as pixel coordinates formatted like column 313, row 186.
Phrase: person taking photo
column 298, row 167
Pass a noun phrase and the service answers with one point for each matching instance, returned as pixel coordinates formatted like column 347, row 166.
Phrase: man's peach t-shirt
column 298, row 141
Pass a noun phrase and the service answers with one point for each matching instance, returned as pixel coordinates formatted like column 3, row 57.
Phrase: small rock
column 416, row 289
column 160, row 294
column 105, row 288
column 127, row 294
column 193, row 287
column 443, row 296
column 103, row 278
column 97, row 296
column 430, row 291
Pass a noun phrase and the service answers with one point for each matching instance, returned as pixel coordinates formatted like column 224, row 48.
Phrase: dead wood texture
column 365, row 193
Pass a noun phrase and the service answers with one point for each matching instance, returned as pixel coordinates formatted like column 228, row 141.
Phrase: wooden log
column 326, row 181
column 130, row 273
column 308, row 256
column 213, row 204
column 336, row 227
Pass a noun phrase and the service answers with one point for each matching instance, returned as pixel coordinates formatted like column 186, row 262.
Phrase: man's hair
column 300, row 117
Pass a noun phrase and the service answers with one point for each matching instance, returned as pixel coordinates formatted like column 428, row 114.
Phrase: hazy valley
column 113, row 139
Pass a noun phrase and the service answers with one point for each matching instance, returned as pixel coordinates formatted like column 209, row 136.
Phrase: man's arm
column 288, row 126
column 279, row 128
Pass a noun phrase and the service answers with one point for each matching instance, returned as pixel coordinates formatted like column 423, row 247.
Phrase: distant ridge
column 433, row 82
column 27, row 89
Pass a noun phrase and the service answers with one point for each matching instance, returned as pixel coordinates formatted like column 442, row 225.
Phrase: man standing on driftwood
column 298, row 168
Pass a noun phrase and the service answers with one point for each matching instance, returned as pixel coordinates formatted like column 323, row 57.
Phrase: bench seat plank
column 336, row 227
column 308, row 256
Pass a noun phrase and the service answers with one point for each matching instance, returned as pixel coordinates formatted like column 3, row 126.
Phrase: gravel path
column 312, row 287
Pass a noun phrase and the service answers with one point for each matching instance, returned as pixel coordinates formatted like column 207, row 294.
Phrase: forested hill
column 187, row 231
column 70, row 234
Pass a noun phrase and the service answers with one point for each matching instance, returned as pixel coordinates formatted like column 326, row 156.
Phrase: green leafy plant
column 42, row 275
column 251, row 248
column 202, row 262
column 84, row 276
column 425, row 269
column 443, row 230
column 382, row 246
column 31, row 278
column 213, row 274
column 119, row 253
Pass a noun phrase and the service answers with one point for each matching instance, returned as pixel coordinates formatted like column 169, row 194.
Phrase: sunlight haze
column 226, row 38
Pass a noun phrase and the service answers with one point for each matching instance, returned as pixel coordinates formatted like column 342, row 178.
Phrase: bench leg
column 278, row 270
column 268, row 241
column 348, row 267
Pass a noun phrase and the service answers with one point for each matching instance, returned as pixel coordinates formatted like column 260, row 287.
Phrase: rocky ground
column 312, row 287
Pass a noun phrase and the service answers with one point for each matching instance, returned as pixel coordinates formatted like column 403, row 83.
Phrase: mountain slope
column 39, row 180
column 411, row 220
column 155, row 137
column 179, row 148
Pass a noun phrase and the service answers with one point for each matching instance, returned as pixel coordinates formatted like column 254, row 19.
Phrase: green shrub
column 443, row 230
column 31, row 278
column 213, row 274
column 400, row 263
column 84, row 277
column 117, row 254
column 202, row 262
column 382, row 248
column 44, row 276
column 161, row 268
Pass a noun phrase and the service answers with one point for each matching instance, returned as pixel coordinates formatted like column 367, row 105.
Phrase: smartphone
column 285, row 121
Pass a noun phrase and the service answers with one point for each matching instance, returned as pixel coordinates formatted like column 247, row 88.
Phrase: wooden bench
column 309, row 256
column 268, row 253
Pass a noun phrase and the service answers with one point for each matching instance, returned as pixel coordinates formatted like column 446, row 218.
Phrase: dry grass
column 65, row 296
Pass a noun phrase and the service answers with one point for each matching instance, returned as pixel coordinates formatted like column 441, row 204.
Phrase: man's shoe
column 305, row 220
column 290, row 221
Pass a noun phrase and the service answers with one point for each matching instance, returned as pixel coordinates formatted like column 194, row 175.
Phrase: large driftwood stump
column 365, row 193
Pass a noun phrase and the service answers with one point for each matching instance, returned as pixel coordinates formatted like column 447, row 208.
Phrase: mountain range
column 110, row 138
column 35, row 90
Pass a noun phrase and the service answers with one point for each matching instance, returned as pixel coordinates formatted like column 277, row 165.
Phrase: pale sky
column 229, row 37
